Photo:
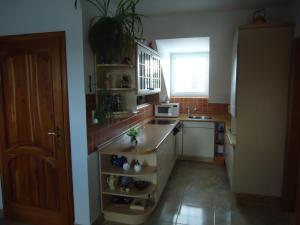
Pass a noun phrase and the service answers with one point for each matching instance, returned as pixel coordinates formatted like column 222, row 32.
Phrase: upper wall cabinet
column 148, row 70
column 118, row 85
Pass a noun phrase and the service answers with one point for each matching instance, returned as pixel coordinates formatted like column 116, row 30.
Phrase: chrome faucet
column 190, row 112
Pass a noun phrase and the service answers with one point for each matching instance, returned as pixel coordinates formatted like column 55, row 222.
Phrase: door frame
column 64, row 89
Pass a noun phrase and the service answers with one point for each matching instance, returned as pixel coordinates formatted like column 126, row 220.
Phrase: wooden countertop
column 150, row 136
column 149, row 139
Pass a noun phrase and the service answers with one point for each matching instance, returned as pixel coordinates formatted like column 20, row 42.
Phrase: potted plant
column 111, row 33
column 132, row 133
column 103, row 111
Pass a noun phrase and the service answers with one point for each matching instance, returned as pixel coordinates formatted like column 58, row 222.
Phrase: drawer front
column 200, row 124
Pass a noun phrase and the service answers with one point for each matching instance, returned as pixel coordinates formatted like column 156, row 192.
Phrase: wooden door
column 34, row 140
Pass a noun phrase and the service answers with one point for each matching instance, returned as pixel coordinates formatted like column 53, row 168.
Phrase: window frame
column 173, row 93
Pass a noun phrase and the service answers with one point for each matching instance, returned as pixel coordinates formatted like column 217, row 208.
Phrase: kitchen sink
column 200, row 117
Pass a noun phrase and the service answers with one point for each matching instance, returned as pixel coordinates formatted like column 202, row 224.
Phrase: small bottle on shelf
column 125, row 81
column 108, row 81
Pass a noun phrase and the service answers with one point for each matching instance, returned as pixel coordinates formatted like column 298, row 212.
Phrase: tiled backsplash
column 201, row 104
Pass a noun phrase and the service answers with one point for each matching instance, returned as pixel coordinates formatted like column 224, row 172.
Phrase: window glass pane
column 190, row 74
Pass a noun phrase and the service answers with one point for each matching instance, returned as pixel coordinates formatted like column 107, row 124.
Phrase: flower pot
column 133, row 142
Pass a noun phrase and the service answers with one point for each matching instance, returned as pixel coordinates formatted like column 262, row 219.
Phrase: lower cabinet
column 198, row 139
column 166, row 158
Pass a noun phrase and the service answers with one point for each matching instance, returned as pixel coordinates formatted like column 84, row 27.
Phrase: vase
column 133, row 142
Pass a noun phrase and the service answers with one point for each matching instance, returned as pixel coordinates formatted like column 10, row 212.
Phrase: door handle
column 56, row 133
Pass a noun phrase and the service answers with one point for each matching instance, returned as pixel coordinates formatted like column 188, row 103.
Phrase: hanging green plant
column 112, row 33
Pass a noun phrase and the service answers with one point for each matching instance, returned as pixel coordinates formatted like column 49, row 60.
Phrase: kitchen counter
column 149, row 139
column 157, row 153
column 151, row 136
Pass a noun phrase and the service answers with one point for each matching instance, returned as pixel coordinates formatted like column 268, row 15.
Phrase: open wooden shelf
column 134, row 193
column 124, row 209
column 113, row 170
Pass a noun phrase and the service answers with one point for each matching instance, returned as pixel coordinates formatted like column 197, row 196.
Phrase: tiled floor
column 198, row 194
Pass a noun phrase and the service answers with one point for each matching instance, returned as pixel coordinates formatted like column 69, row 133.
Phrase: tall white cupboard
column 259, row 101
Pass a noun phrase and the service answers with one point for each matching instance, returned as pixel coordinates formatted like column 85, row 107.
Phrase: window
column 190, row 74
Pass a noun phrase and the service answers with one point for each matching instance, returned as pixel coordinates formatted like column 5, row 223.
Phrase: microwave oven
column 167, row 110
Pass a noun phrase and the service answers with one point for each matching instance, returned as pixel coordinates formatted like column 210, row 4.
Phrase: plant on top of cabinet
column 111, row 34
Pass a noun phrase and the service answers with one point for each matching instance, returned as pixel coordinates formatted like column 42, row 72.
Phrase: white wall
column 30, row 16
column 220, row 27
column 89, row 12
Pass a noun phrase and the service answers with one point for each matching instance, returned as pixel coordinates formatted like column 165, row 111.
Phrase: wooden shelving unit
column 219, row 142
column 121, row 66
column 115, row 74
column 112, row 170
column 125, row 210
column 134, row 193
column 125, row 82
column 122, row 212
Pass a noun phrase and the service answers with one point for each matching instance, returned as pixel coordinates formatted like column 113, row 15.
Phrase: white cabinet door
column 198, row 139
column 148, row 71
column 165, row 161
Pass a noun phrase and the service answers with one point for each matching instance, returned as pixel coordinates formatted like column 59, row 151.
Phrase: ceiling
column 158, row 7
